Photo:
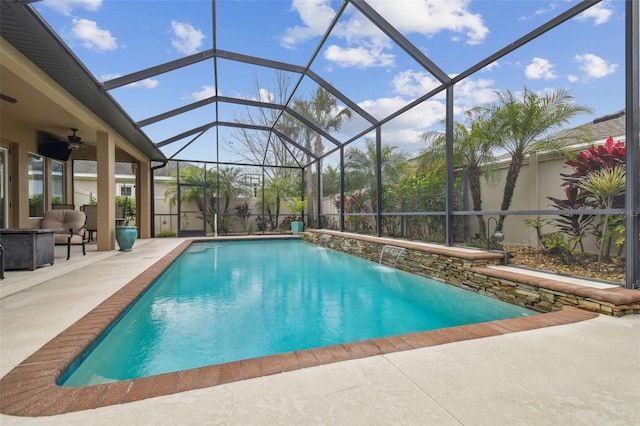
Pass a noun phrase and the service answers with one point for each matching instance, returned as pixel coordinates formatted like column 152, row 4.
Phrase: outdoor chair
column 69, row 226
column 63, row 206
column 120, row 218
column 91, row 210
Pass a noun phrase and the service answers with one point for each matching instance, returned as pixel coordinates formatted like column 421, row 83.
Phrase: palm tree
column 330, row 181
column 194, row 175
column 472, row 149
column 605, row 185
column 526, row 124
column 276, row 189
column 230, row 185
column 321, row 110
column 362, row 167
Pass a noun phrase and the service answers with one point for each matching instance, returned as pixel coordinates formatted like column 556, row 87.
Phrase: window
column 126, row 190
column 36, row 185
column 57, row 182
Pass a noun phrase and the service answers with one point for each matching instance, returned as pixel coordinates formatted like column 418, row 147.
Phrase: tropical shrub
column 538, row 223
column 598, row 181
column 557, row 243
column 425, row 193
column 129, row 206
column 354, row 202
column 243, row 212
column 598, row 157
column 575, row 225
column 262, row 223
column 605, row 185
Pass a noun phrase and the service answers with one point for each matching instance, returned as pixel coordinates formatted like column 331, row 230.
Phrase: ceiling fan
column 8, row 98
column 74, row 140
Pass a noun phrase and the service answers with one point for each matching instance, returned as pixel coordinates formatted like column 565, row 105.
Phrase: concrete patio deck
column 586, row 373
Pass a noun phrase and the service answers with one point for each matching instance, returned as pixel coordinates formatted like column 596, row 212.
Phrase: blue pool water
column 226, row 301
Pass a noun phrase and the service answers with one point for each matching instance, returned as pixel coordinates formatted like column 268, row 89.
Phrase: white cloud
column 359, row 57
column 600, row 13
column 266, row 96
column 573, row 78
column 405, row 130
column 147, row 83
column 316, row 16
column 543, row 11
column 206, row 92
column 93, row 37
column 493, row 65
column 430, row 17
column 364, row 45
column 383, row 107
column 107, row 77
column 413, row 83
column 594, row 66
column 540, row 68
column 187, row 39
column 65, row 7
column 470, row 93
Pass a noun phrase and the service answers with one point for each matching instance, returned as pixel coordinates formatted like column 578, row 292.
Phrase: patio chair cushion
column 65, row 220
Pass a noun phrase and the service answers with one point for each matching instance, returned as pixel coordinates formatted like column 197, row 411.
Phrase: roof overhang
column 27, row 33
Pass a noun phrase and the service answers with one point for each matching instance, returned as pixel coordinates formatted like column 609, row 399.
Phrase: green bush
column 558, row 245
column 166, row 234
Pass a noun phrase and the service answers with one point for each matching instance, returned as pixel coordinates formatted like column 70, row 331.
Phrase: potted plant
column 297, row 208
column 126, row 235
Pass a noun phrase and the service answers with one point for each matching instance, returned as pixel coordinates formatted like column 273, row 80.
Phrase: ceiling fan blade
column 8, row 98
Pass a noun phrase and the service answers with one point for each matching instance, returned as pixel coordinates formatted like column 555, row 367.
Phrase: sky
column 114, row 38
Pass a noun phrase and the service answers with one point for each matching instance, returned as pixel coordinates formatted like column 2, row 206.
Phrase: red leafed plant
column 598, row 157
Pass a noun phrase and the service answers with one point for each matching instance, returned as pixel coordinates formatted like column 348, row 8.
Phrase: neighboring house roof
column 88, row 167
column 599, row 129
column 91, row 167
column 20, row 27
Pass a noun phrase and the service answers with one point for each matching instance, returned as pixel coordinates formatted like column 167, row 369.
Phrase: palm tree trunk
column 309, row 191
column 510, row 185
column 277, row 213
column 602, row 243
column 309, row 185
column 474, row 173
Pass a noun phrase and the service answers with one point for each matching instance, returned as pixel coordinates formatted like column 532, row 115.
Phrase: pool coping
column 30, row 389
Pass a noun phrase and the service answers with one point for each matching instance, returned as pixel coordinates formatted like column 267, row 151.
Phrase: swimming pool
column 225, row 301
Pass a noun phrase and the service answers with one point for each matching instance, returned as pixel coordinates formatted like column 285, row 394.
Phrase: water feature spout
column 393, row 251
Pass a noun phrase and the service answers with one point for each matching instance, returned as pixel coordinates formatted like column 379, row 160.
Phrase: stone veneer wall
column 469, row 269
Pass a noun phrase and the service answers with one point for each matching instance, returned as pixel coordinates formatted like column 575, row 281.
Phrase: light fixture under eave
column 74, row 140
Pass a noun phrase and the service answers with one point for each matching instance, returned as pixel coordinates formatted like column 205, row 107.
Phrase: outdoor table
column 27, row 248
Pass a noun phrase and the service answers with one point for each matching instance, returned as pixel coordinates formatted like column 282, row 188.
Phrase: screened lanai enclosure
column 432, row 121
